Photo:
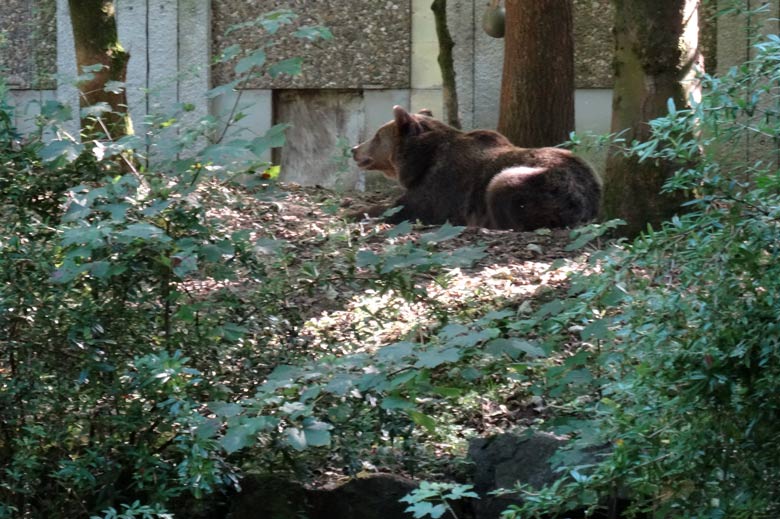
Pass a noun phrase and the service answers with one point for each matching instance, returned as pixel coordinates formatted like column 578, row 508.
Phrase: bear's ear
column 426, row 112
column 405, row 122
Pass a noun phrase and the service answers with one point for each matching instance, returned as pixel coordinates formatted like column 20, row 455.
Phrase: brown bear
column 478, row 178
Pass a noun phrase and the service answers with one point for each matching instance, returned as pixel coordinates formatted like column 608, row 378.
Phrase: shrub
column 681, row 362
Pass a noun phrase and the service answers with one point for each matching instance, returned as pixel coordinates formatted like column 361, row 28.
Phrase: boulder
column 503, row 461
column 375, row 496
column 269, row 497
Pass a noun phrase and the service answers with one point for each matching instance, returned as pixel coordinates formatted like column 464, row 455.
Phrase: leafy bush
column 681, row 361
column 101, row 402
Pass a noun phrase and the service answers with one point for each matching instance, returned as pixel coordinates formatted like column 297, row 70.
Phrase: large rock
column 505, row 460
column 269, row 497
column 372, row 497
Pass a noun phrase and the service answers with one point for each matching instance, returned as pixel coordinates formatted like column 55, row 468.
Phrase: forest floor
column 516, row 271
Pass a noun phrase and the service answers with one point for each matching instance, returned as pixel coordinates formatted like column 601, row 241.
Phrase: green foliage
column 680, row 364
column 149, row 349
column 110, row 357
column 136, row 509
column 434, row 499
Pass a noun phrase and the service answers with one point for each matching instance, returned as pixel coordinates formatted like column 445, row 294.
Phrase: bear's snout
column 362, row 161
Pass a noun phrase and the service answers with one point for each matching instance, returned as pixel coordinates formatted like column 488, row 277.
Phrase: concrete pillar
column 194, row 55
column 67, row 71
column 131, row 18
column 426, row 74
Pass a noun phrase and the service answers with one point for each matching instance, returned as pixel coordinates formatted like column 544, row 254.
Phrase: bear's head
column 379, row 153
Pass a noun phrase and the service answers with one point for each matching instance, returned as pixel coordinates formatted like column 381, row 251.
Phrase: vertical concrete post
column 131, row 16
column 67, row 91
column 426, row 75
column 460, row 17
column 194, row 33
column 163, row 31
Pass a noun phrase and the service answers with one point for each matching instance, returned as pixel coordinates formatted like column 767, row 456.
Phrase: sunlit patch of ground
column 311, row 221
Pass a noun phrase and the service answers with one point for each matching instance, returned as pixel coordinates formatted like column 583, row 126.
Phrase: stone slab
column 26, row 106
column 371, row 46
column 324, row 124
column 257, row 107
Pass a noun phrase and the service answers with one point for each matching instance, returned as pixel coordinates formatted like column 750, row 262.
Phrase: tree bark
column 446, row 64
column 537, row 88
column 97, row 42
column 656, row 48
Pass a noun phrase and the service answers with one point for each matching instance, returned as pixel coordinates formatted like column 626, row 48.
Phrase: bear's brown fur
column 478, row 178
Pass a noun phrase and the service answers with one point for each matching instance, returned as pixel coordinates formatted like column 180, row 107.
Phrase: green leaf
column 225, row 409
column 313, row 33
column 367, row 258
column 401, row 229
column 552, row 308
column 115, row 87
column 340, row 384
column 422, row 420
column 223, row 89
column 99, row 269
column 56, row 149
column 273, row 138
column 56, row 111
column 184, row 264
column 513, row 348
column 229, row 53
column 96, row 110
column 444, row 233
column 597, row 330
column 394, row 402
column 208, row 428
column 144, row 231
column 296, row 438
column 425, row 508
column 235, row 439
column 395, row 352
column 256, row 59
column 291, row 66
column 580, row 242
column 118, row 211
column 317, row 433
column 433, row 358
column 448, row 392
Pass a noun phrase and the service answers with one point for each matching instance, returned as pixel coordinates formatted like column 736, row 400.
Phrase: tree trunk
column 449, row 86
column 97, row 43
column 537, row 88
column 656, row 48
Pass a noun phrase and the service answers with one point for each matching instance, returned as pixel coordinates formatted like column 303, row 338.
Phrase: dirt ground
column 517, row 267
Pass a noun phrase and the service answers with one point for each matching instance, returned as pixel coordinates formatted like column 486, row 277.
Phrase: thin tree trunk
column 537, row 88
column 656, row 48
column 97, row 43
column 449, row 85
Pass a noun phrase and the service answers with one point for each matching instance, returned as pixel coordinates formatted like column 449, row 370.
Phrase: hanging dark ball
column 494, row 19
